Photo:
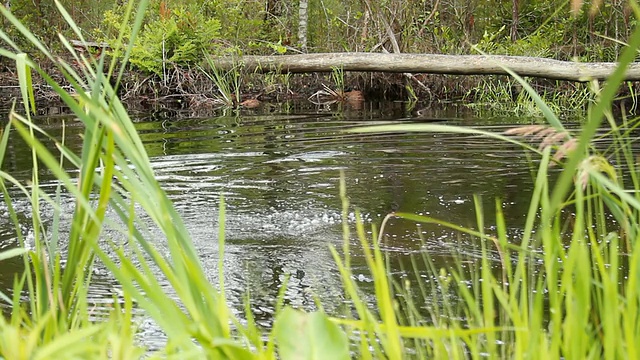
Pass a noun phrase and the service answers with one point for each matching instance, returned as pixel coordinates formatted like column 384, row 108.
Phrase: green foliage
column 505, row 96
column 243, row 22
column 177, row 34
column 539, row 44
column 309, row 336
column 567, row 288
column 563, row 267
column 544, row 27
column 228, row 83
column 337, row 75
column 111, row 26
column 278, row 47
column 329, row 18
column 177, row 40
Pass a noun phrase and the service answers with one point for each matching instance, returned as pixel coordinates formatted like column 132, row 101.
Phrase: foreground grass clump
column 568, row 288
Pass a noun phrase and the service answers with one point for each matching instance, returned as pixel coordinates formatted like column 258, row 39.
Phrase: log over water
column 431, row 64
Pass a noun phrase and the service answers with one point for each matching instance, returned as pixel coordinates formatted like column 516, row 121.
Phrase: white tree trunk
column 303, row 24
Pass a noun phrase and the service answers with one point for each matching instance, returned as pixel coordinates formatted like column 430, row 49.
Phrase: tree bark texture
column 303, row 24
column 430, row 64
column 515, row 19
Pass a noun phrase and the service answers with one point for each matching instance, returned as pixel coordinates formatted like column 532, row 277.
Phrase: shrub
column 177, row 38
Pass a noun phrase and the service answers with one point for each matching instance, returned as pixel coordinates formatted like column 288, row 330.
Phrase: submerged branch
column 429, row 63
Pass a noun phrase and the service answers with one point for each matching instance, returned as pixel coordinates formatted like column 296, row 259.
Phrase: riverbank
column 203, row 90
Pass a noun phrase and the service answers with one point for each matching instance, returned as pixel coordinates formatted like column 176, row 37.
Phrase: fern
column 177, row 40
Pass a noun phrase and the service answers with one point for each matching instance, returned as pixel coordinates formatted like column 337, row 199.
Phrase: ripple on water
column 279, row 175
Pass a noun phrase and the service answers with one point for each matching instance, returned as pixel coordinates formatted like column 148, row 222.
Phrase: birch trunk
column 303, row 24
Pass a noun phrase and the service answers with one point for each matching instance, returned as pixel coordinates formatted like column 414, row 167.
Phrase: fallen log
column 430, row 64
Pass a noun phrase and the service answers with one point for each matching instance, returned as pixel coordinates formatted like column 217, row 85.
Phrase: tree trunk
column 515, row 19
column 303, row 24
column 429, row 63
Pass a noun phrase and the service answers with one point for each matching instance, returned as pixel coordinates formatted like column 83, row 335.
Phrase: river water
column 279, row 173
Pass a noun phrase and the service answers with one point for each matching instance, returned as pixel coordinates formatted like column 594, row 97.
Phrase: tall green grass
column 495, row 96
column 227, row 82
column 568, row 288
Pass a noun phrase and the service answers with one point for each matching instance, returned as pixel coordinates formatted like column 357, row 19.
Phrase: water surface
column 279, row 173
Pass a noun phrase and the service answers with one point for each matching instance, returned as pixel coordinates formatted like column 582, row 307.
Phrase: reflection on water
column 279, row 175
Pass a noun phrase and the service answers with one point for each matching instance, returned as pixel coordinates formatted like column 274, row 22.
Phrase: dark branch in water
column 429, row 63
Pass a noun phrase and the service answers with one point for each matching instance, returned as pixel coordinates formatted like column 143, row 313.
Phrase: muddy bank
column 196, row 88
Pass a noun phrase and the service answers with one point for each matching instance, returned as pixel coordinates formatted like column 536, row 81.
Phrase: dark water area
column 279, row 173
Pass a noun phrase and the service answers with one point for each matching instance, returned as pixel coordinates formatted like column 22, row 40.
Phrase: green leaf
column 26, row 86
column 309, row 336
column 8, row 254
